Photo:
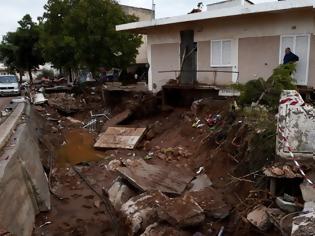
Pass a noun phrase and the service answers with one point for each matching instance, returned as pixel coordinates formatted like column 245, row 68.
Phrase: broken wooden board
column 146, row 177
column 120, row 137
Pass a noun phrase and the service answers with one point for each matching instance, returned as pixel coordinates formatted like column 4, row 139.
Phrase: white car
column 9, row 85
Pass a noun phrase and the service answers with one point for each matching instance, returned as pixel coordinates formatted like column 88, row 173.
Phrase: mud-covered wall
column 24, row 188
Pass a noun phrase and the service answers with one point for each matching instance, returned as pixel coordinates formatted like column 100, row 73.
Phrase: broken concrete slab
column 259, row 218
column 275, row 216
column 119, row 193
column 212, row 203
column 158, row 229
column 182, row 211
column 308, row 192
column 117, row 119
column 141, row 211
column 146, row 177
column 287, row 206
column 303, row 225
column 120, row 137
column 297, row 121
column 200, row 182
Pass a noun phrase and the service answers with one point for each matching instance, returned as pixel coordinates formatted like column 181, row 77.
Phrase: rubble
column 157, row 229
column 303, row 225
column 259, row 218
column 200, row 182
column 282, row 171
column 119, row 193
column 148, row 177
column 39, row 99
column 211, row 201
column 287, row 206
column 308, row 192
column 182, row 212
column 141, row 211
column 64, row 103
column 120, row 137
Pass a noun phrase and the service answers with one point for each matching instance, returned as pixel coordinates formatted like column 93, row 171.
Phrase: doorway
column 300, row 45
column 188, row 58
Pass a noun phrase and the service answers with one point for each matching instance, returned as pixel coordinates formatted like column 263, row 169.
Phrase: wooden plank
column 120, row 137
column 146, row 177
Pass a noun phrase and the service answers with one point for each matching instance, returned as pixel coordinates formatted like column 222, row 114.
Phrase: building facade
column 230, row 44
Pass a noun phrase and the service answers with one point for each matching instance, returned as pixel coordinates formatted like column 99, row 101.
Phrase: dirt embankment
column 175, row 138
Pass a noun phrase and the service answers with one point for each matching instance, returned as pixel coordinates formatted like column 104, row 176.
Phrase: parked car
column 9, row 85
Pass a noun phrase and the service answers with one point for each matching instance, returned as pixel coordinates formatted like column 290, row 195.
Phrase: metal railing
column 215, row 73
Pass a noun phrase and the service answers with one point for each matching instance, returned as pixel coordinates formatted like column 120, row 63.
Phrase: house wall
column 263, row 51
column 311, row 76
column 166, row 57
column 203, row 61
column 143, row 15
column 256, row 42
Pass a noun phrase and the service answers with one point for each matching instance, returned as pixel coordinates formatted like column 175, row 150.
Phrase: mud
column 78, row 148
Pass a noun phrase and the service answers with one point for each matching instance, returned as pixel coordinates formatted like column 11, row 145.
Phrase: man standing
column 289, row 57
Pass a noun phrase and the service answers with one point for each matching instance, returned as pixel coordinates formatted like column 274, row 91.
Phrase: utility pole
column 153, row 9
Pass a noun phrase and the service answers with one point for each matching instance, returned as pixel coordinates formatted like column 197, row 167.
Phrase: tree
column 81, row 34
column 20, row 50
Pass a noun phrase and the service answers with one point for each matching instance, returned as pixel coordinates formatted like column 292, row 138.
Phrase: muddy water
column 78, row 148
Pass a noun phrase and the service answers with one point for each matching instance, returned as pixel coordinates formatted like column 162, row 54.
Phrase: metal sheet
column 120, row 137
column 146, row 177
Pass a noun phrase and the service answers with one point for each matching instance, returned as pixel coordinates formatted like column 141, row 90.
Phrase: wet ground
column 4, row 101
column 78, row 148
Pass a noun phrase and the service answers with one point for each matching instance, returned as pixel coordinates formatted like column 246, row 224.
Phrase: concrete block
column 259, row 218
column 308, row 192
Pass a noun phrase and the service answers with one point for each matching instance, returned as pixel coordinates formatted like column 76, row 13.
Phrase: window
column 221, row 53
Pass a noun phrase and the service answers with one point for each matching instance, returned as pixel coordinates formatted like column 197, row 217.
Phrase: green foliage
column 20, row 50
column 267, row 92
column 82, row 34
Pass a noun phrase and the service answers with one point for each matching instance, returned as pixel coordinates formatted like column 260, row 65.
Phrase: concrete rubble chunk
column 287, row 206
column 259, row 218
column 303, row 225
column 308, row 192
column 147, row 177
column 119, row 193
column 200, row 182
column 157, row 229
column 212, row 203
column 182, row 211
column 141, row 211
column 113, row 165
column 298, row 126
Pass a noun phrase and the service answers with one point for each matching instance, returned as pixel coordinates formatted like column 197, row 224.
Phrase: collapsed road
column 143, row 168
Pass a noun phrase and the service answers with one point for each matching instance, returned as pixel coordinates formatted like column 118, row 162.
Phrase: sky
column 11, row 11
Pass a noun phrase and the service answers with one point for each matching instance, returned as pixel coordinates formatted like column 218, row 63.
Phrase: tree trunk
column 70, row 75
column 21, row 76
column 30, row 75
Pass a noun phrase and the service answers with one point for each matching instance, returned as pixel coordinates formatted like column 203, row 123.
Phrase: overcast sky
column 13, row 10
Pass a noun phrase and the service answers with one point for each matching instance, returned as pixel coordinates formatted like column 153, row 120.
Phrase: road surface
column 4, row 101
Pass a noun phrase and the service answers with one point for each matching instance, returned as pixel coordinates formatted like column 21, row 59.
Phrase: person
column 289, row 57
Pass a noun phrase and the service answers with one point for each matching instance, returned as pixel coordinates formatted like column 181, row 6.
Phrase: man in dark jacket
column 290, row 57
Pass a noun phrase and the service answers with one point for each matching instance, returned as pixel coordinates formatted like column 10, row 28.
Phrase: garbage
column 259, row 218
column 287, row 206
column 39, row 99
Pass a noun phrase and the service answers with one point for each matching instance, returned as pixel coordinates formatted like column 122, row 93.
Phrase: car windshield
column 8, row 79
